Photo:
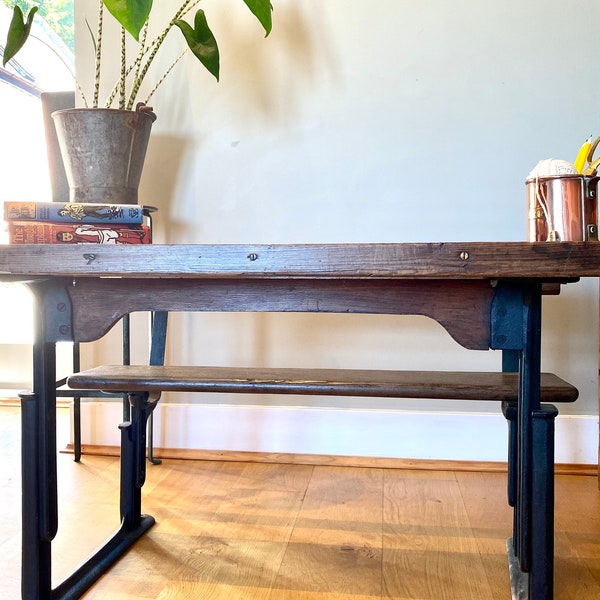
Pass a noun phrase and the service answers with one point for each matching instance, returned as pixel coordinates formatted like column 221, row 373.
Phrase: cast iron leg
column 76, row 408
column 510, row 413
column 510, row 364
column 39, row 499
column 541, row 577
column 535, row 502
column 529, row 401
column 158, row 323
column 39, row 468
column 537, row 584
column 516, row 328
column 36, row 553
column 133, row 458
column 126, row 320
column 133, row 523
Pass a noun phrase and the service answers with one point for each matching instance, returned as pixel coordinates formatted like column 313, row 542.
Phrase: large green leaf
column 262, row 11
column 201, row 42
column 18, row 32
column 131, row 14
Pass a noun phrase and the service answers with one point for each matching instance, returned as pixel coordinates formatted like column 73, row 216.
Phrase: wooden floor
column 231, row 530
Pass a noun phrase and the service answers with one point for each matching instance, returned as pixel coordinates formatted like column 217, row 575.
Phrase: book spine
column 71, row 212
column 34, row 232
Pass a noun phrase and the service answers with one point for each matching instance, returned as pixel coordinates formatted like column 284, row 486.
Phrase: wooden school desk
column 486, row 295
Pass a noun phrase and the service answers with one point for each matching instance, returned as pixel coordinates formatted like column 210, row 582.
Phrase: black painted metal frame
column 530, row 442
column 515, row 329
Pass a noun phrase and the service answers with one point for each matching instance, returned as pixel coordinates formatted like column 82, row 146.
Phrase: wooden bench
column 441, row 385
column 144, row 384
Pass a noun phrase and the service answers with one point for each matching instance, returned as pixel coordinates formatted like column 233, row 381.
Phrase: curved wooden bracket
column 463, row 308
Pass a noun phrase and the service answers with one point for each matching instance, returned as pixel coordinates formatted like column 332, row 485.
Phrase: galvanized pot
column 103, row 150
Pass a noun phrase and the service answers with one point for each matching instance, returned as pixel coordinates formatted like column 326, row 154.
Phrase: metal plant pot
column 103, row 150
column 562, row 208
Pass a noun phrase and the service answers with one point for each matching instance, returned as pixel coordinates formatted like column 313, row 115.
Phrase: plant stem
column 164, row 76
column 142, row 51
column 98, row 54
column 183, row 9
column 123, row 70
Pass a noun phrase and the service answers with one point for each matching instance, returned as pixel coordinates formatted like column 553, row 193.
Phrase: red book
column 36, row 232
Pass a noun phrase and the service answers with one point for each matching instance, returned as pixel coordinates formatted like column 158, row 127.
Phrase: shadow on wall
column 263, row 82
column 164, row 160
column 266, row 81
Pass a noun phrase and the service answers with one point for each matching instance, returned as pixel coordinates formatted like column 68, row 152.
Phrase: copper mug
column 562, row 208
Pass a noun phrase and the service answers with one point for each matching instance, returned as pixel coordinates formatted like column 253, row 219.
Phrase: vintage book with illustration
column 71, row 212
column 35, row 232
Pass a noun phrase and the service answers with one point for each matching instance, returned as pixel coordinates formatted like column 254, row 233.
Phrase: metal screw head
column 464, row 255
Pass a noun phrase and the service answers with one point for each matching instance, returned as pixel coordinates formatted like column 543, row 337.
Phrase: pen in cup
column 579, row 163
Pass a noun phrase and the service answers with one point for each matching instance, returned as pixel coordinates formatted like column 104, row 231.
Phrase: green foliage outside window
column 57, row 13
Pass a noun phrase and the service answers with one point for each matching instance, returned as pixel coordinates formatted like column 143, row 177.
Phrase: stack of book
column 71, row 223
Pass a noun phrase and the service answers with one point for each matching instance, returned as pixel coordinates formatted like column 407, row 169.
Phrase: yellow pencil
column 579, row 163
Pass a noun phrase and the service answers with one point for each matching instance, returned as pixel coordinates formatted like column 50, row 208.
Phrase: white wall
column 353, row 122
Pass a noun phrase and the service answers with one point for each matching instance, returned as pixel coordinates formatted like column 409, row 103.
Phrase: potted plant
column 115, row 139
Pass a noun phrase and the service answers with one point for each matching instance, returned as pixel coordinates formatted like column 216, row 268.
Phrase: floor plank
column 262, row 531
column 577, row 516
column 484, row 498
column 430, row 550
column 336, row 544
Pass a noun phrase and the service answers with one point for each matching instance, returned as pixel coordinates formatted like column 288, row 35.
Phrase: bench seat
column 449, row 385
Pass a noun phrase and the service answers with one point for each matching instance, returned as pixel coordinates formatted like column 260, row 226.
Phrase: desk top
column 440, row 260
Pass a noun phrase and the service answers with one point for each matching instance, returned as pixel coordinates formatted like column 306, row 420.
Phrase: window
column 44, row 64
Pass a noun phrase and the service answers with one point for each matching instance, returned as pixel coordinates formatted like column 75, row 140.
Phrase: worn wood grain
column 448, row 385
column 487, row 260
column 430, row 550
column 490, row 517
column 577, row 517
column 336, row 545
column 462, row 307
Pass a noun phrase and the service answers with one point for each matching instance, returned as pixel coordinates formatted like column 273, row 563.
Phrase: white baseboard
column 342, row 432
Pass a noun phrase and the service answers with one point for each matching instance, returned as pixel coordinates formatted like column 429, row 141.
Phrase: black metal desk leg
column 36, row 572
column 529, row 401
column 40, row 496
column 516, row 326
column 39, row 463
column 39, row 499
column 536, row 463
column 541, row 576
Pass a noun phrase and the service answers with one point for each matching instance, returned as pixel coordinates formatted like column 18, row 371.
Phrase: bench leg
column 535, row 580
column 133, row 523
column 76, row 407
column 510, row 413
column 133, row 458
column 510, row 364
column 541, row 577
